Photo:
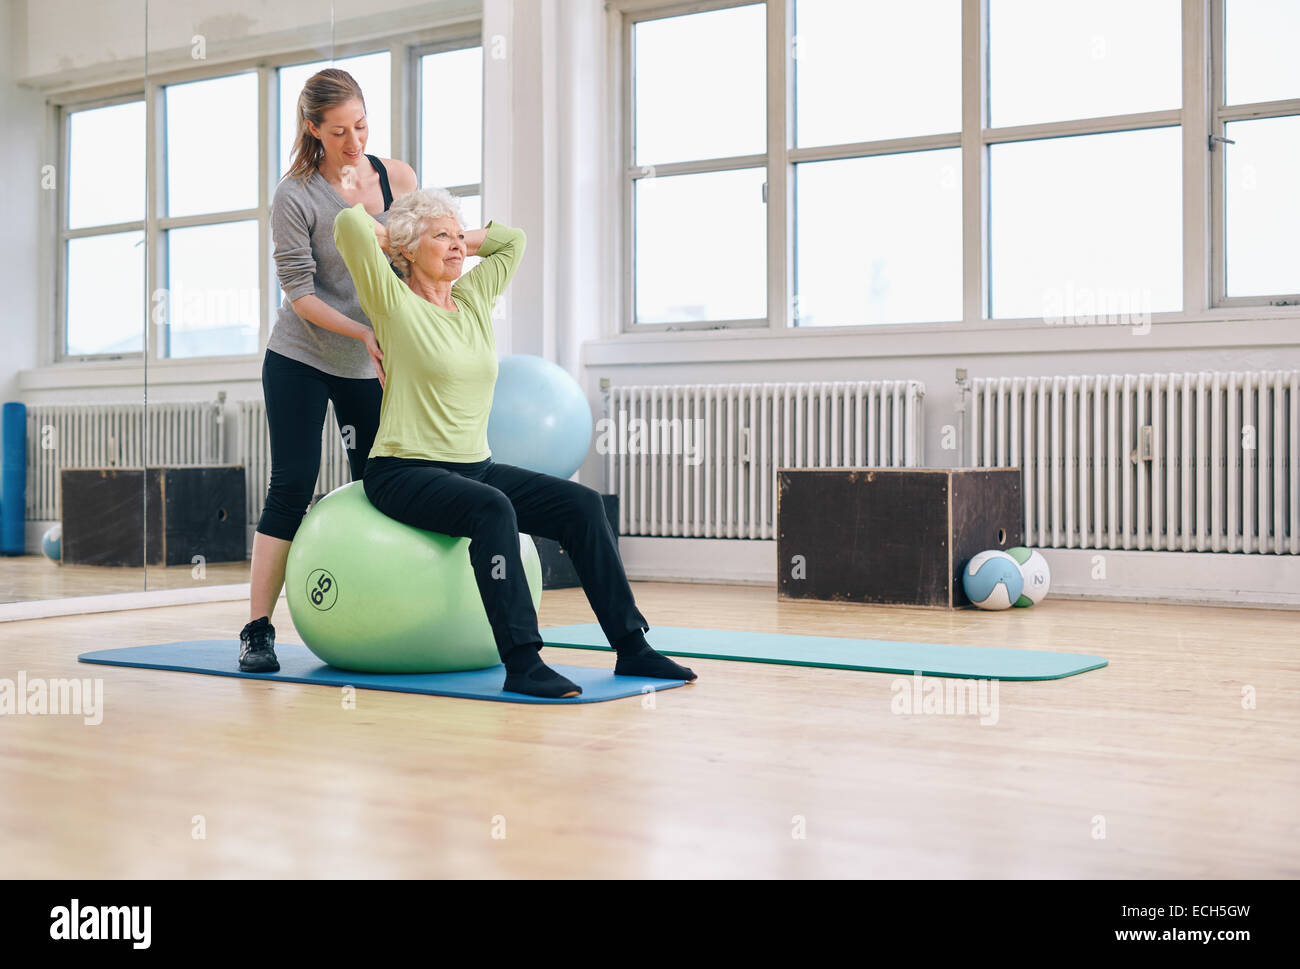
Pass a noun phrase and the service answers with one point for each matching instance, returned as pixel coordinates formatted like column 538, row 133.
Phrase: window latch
column 1218, row 138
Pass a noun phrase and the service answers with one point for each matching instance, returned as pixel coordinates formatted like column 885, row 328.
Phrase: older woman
column 430, row 465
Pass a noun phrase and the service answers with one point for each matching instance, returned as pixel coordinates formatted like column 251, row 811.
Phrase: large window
column 451, row 124
column 877, row 220
column 1063, row 61
column 451, row 129
column 1085, row 215
column 700, row 247
column 1086, row 224
column 209, row 305
column 699, row 152
column 860, row 162
column 102, row 231
column 878, row 239
column 207, row 249
column 1257, row 112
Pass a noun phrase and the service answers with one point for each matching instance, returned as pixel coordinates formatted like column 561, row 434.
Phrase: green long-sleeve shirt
column 440, row 367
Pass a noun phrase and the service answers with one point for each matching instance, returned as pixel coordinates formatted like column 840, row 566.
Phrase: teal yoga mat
column 298, row 665
column 871, row 655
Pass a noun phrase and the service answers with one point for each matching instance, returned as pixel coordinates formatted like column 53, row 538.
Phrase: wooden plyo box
column 890, row 536
column 189, row 511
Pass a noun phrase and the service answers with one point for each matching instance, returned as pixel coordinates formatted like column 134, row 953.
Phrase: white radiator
column 255, row 453
column 115, row 436
column 1203, row 462
column 704, row 461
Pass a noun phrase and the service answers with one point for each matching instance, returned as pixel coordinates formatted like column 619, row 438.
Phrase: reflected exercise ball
column 370, row 594
column 52, row 542
column 540, row 417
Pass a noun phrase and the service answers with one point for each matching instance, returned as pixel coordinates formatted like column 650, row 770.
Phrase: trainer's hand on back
column 376, row 356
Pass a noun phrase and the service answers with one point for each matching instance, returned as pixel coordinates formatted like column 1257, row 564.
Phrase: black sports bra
column 383, row 181
column 388, row 195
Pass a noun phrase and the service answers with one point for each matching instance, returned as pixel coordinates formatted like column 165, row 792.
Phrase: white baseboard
column 1191, row 578
column 1203, row 578
column 721, row 560
column 118, row 601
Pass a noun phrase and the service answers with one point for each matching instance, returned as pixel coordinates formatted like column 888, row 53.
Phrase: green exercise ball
column 370, row 594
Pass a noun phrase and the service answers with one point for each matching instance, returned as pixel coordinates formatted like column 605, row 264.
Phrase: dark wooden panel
column 103, row 513
column 189, row 511
column 987, row 512
column 864, row 535
column 204, row 515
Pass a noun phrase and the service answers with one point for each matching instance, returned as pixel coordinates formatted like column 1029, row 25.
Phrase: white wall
column 59, row 39
column 20, row 174
column 549, row 166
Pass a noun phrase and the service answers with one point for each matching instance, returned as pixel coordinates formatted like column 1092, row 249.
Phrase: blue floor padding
column 298, row 665
column 871, row 655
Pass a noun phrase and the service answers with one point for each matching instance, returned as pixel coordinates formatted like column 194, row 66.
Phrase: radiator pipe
column 963, row 393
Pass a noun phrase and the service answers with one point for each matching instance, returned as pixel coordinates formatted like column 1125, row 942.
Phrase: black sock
column 631, row 644
column 636, row 657
column 522, row 657
column 527, row 674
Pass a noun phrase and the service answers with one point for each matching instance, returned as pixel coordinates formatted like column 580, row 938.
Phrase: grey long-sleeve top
column 307, row 261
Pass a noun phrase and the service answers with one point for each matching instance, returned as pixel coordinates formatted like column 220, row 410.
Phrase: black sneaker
column 257, row 647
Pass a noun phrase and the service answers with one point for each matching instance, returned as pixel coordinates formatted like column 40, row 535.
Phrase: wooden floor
column 24, row 578
column 1155, row 752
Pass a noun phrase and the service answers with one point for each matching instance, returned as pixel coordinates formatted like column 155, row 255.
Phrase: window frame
column 1221, row 114
column 403, row 48
column 157, row 267
column 64, row 111
column 631, row 173
column 417, row 53
column 1200, row 115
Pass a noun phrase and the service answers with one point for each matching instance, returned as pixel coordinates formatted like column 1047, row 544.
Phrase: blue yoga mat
column 871, row 655
column 298, row 665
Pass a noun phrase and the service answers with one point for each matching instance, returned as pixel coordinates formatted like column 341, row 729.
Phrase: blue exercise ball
column 52, row 542
column 540, row 417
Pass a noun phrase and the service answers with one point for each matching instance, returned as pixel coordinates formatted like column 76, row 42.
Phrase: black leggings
column 295, row 395
column 491, row 504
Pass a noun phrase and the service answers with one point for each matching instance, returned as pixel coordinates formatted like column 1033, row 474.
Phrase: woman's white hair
column 409, row 218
